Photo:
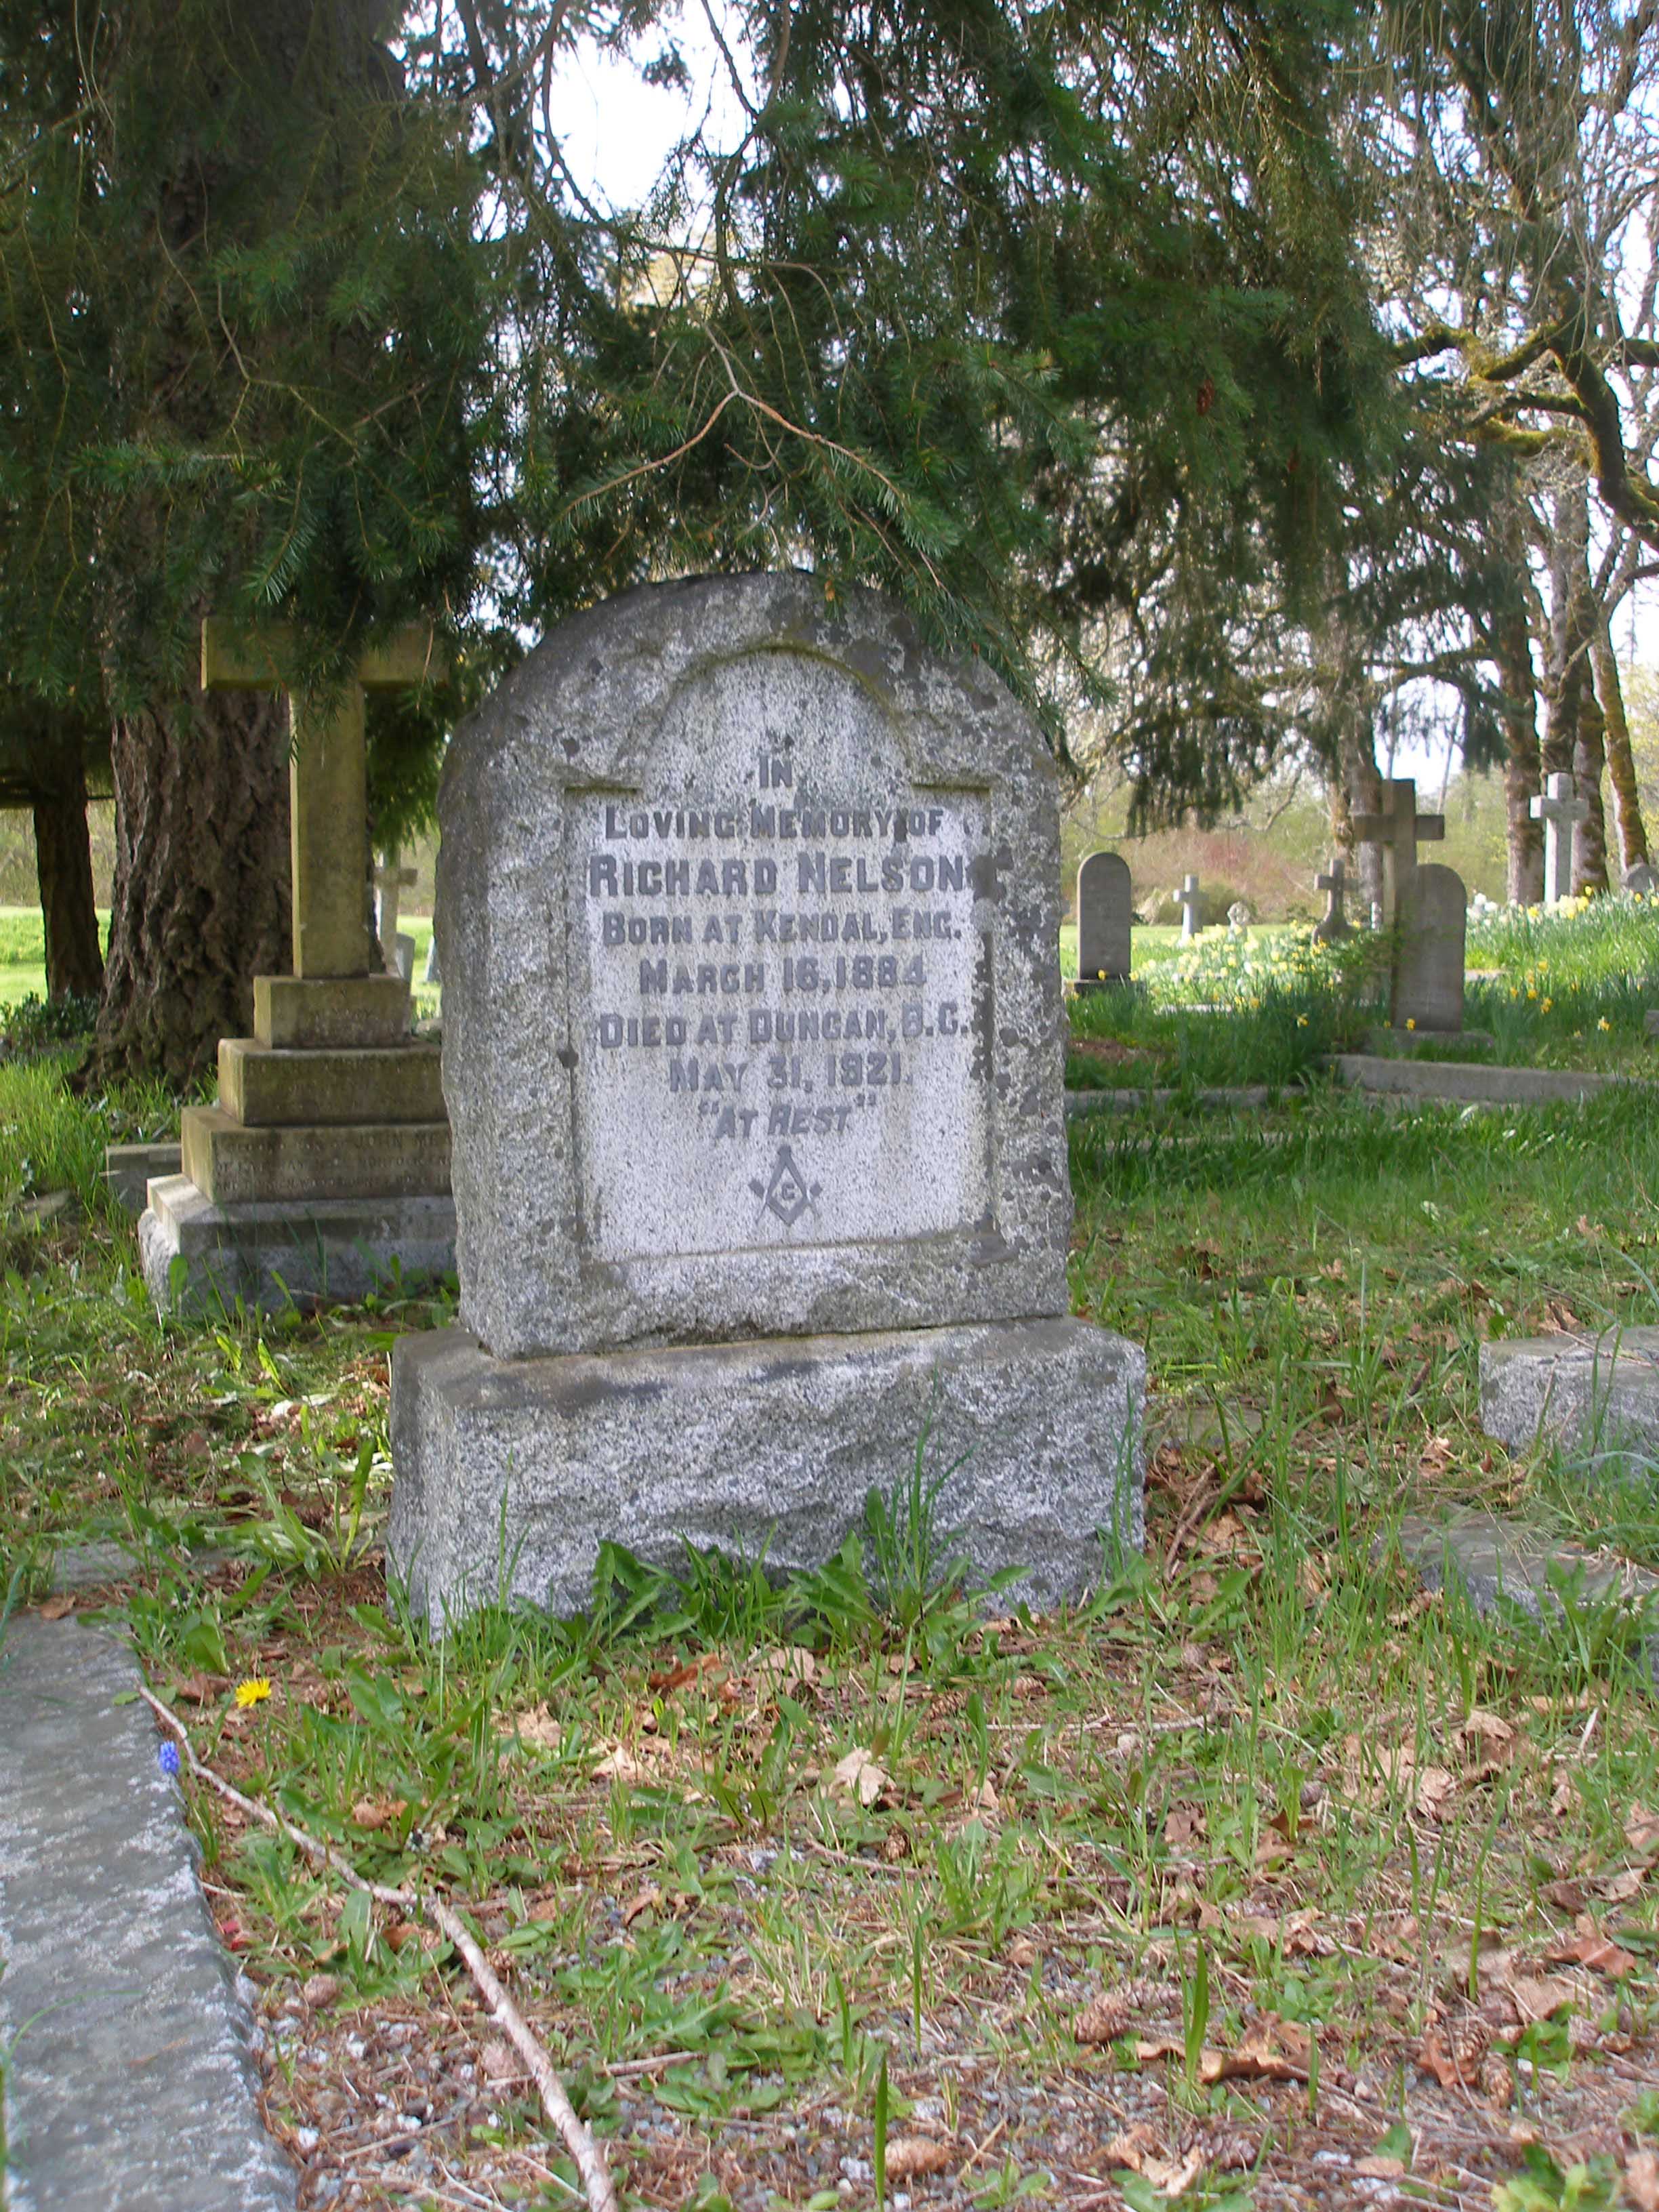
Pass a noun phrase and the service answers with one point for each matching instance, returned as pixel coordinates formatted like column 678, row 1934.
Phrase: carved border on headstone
column 580, row 717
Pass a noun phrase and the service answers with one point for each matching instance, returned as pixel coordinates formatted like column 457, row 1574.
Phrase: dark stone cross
column 1334, row 924
column 1398, row 829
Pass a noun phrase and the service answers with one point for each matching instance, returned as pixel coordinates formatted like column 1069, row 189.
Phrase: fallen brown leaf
column 1381, row 2169
column 1590, row 1948
column 55, row 1608
column 647, row 1901
column 859, row 1776
column 1175, row 2177
column 1535, row 1996
column 379, row 1812
column 1641, row 2181
column 619, row 1765
column 535, row 1727
column 1272, row 2049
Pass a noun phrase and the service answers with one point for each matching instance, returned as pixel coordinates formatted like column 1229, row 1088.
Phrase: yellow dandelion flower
column 253, row 1691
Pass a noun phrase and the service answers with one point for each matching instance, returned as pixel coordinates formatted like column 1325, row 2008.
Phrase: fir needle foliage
column 1018, row 313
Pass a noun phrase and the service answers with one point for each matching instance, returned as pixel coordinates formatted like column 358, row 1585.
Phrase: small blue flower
column 167, row 1757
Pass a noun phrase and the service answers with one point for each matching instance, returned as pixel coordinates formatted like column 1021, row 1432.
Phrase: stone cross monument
column 1190, row 924
column 1558, row 810
column 753, row 1049
column 327, row 1155
column 1333, row 924
column 1399, row 829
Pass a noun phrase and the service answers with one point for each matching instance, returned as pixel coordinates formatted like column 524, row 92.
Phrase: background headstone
column 1429, row 972
column 1558, row 810
column 1641, row 881
column 1191, row 906
column 1104, row 919
column 753, row 1049
column 1398, row 829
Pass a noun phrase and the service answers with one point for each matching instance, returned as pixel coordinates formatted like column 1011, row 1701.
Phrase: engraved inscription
column 786, row 1037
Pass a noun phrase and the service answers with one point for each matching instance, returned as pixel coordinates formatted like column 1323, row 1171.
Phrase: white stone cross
column 1558, row 810
column 1398, row 829
column 1334, row 923
column 1189, row 922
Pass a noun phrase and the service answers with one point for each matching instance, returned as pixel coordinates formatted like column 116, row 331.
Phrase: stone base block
column 267, row 1085
column 1593, row 1393
column 235, row 1166
column 308, row 1012
column 511, row 1473
column 129, row 1171
column 326, row 1252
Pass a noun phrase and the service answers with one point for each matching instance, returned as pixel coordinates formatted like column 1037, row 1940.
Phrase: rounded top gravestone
column 747, row 910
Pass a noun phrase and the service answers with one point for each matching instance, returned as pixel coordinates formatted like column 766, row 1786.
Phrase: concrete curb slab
column 1593, row 1392
column 130, row 2080
column 1474, row 1082
column 1497, row 1562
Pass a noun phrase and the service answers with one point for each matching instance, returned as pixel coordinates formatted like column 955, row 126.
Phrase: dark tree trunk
column 201, row 900
column 63, row 862
column 1621, row 765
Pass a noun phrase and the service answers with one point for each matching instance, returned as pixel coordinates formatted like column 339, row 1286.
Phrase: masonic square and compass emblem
column 786, row 1193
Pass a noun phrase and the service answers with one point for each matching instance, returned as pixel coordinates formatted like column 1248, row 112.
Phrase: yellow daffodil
column 1411, row 1023
column 1604, row 1024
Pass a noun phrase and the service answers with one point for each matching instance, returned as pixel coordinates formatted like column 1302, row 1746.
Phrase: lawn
column 1263, row 1878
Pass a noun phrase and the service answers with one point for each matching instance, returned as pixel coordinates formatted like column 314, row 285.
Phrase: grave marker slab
column 1428, row 983
column 1558, row 810
column 753, row 1053
column 1105, row 920
column 1641, row 881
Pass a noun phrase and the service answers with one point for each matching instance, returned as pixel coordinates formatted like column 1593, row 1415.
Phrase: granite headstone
column 747, row 910
column 1104, row 919
column 1428, row 993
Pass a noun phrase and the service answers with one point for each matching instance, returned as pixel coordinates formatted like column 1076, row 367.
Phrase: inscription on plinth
column 788, row 994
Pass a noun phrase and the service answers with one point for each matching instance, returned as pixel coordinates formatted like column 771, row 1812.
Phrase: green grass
column 1259, row 1777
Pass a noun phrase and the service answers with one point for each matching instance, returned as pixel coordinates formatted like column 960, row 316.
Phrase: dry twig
column 590, row 2159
